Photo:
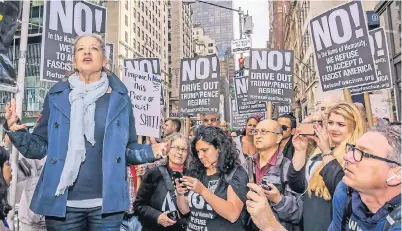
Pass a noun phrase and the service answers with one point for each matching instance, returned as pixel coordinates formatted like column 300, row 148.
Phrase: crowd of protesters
column 93, row 173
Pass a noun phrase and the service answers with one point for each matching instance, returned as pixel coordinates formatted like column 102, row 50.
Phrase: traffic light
column 241, row 63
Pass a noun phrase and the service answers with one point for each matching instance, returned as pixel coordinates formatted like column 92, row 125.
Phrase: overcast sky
column 259, row 10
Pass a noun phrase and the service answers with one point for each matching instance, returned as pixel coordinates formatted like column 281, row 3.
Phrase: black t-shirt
column 202, row 217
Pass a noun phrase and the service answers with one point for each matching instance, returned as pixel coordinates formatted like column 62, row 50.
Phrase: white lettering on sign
column 201, row 68
column 241, row 85
column 273, row 60
column 325, row 29
column 65, row 16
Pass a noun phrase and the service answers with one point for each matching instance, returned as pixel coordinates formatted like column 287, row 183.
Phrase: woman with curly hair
column 318, row 175
column 216, row 184
column 5, row 179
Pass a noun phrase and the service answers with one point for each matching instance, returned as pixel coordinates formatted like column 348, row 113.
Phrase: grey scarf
column 83, row 102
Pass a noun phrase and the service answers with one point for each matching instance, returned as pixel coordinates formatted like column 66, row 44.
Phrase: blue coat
column 50, row 138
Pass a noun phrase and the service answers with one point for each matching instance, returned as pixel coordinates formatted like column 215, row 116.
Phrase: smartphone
column 178, row 176
column 173, row 215
column 250, row 169
column 266, row 187
column 306, row 129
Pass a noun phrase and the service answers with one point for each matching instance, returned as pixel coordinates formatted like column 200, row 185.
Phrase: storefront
column 390, row 18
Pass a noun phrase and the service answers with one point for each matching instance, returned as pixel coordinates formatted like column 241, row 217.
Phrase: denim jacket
column 50, row 138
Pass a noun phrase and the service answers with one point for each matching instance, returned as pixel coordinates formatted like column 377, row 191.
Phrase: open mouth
column 87, row 60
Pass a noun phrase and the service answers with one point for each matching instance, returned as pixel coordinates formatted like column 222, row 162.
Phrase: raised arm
column 31, row 145
column 137, row 153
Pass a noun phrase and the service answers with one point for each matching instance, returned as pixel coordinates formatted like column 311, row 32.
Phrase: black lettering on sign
column 144, row 65
column 150, row 121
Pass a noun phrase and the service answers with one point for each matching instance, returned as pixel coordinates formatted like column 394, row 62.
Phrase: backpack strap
column 393, row 218
column 168, row 182
column 228, row 176
column 347, row 210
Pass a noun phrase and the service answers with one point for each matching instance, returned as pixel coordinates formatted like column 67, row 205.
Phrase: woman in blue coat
column 87, row 132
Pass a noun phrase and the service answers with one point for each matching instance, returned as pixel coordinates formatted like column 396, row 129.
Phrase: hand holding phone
column 250, row 169
column 177, row 175
column 173, row 215
column 306, row 129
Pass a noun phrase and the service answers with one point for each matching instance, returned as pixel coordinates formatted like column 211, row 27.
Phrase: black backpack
column 393, row 218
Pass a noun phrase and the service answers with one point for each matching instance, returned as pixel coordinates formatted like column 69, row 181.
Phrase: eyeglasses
column 255, row 132
column 284, row 127
column 359, row 154
column 179, row 149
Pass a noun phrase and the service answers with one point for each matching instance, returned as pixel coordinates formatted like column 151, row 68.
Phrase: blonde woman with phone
column 318, row 175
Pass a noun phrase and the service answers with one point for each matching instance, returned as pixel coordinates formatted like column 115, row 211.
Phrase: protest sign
column 63, row 22
column 241, row 46
column 381, row 105
column 271, row 75
column 143, row 81
column 379, row 49
column 283, row 109
column 239, row 120
column 244, row 105
column 109, row 50
column 342, row 49
column 199, row 85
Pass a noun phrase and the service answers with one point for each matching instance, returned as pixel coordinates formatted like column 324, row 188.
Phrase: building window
column 146, row 11
column 142, row 6
column 134, row 44
column 126, row 20
column 142, row 34
column 126, row 53
column 138, row 47
column 126, row 36
column 142, row 20
column 169, row 59
column 126, row 4
column 138, row 31
column 169, row 47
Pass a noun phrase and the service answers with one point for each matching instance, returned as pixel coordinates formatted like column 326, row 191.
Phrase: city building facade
column 35, row 90
column 390, row 19
column 203, row 44
column 217, row 23
column 277, row 13
column 180, row 45
column 139, row 28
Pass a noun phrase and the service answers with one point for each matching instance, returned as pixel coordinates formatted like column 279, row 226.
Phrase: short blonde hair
column 95, row 36
column 103, row 49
